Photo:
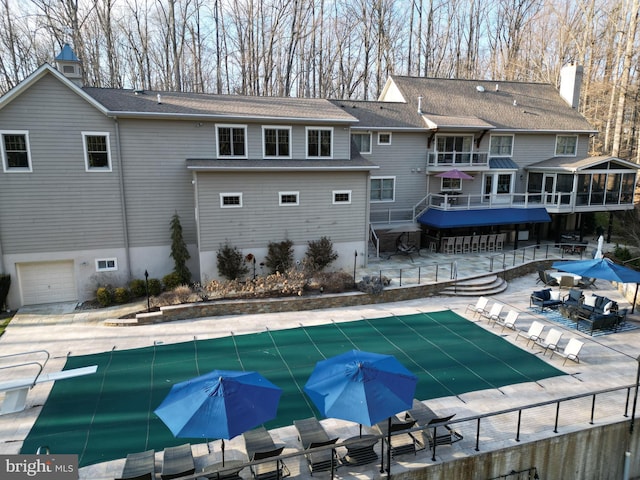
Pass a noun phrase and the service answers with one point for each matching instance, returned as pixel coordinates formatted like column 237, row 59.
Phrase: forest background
column 338, row 48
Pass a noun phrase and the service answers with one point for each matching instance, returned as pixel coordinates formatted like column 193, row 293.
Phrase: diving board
column 16, row 390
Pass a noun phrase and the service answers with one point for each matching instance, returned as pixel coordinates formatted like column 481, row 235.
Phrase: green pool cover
column 108, row 414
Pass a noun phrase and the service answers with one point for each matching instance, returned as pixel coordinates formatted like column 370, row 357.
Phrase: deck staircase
column 484, row 285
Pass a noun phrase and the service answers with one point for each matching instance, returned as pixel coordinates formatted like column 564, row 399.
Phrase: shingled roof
column 523, row 106
column 386, row 115
column 127, row 102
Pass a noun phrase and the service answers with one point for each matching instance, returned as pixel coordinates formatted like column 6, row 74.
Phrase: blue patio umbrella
column 220, row 404
column 603, row 269
column 362, row 387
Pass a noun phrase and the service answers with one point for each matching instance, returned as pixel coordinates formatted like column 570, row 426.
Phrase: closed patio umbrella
column 455, row 173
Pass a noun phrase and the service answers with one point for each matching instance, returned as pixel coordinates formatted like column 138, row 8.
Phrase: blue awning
column 477, row 218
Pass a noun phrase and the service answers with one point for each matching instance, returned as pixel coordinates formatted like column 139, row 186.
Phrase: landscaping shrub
column 373, row 284
column 121, row 295
column 334, row 282
column 179, row 252
column 179, row 295
column 172, row 280
column 231, row 262
column 138, row 287
column 279, row 256
column 155, row 287
column 5, row 283
column 104, row 295
column 320, row 254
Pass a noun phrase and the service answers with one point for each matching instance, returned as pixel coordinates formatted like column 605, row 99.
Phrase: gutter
column 123, row 203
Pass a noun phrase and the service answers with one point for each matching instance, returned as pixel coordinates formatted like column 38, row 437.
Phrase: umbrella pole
column 382, row 454
column 222, row 449
column 633, row 306
column 389, row 451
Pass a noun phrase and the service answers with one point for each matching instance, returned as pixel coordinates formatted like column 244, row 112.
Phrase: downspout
column 367, row 229
column 123, row 203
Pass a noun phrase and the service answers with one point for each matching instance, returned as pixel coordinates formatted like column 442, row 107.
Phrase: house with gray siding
column 91, row 177
column 522, row 149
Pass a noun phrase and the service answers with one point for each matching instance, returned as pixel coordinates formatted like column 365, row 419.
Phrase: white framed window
column 383, row 189
column 341, row 197
column 319, row 142
column 97, row 153
column 450, row 184
column 231, row 141
column 384, row 138
column 288, row 198
column 106, row 264
column 566, row 145
column 16, row 156
column 231, row 200
column 362, row 141
column 276, row 142
column 501, row 146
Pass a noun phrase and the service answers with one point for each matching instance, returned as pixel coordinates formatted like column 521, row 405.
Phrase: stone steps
column 486, row 285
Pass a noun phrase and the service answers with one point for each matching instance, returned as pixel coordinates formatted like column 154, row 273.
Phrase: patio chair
column 259, row 446
column 570, row 351
column 566, row 281
column 139, row 466
column 466, row 244
column 479, row 307
column 533, row 334
column 509, row 321
column 312, row 435
column 550, row 342
column 458, row 244
column 500, row 241
column 491, row 243
column 475, row 243
column 177, row 462
column 483, row 243
column 493, row 315
column 425, row 417
column 586, row 282
column 401, row 443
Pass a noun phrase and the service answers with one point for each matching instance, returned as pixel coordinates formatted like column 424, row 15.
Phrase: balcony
column 457, row 159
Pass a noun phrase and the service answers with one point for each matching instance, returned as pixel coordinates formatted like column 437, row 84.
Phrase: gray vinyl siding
column 262, row 220
column 59, row 206
column 157, row 183
column 405, row 159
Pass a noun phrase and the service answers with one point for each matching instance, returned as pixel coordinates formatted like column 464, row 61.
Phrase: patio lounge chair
column 479, row 307
column 177, row 462
column 425, row 417
column 550, row 342
column 139, row 466
column 533, row 334
column 312, row 435
column 493, row 315
column 571, row 351
column 401, row 443
column 509, row 321
column 586, row 282
column 259, row 445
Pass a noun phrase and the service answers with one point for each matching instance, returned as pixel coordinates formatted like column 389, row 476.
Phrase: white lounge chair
column 534, row 332
column 480, row 306
column 571, row 351
column 551, row 341
column 493, row 315
column 509, row 321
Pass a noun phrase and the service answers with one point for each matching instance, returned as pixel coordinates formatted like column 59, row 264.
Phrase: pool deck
column 606, row 361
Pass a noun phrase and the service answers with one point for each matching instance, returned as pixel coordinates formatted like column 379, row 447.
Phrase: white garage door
column 47, row 282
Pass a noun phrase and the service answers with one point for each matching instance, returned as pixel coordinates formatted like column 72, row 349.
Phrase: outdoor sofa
column 546, row 298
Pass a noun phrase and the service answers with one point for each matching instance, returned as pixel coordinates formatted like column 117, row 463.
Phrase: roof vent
column 159, row 99
column 480, row 88
column 138, row 91
column 497, row 87
column 515, row 102
column 420, row 105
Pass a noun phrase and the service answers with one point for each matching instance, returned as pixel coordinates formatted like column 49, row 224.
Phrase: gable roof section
column 515, row 106
column 132, row 103
column 578, row 164
column 381, row 115
column 47, row 69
